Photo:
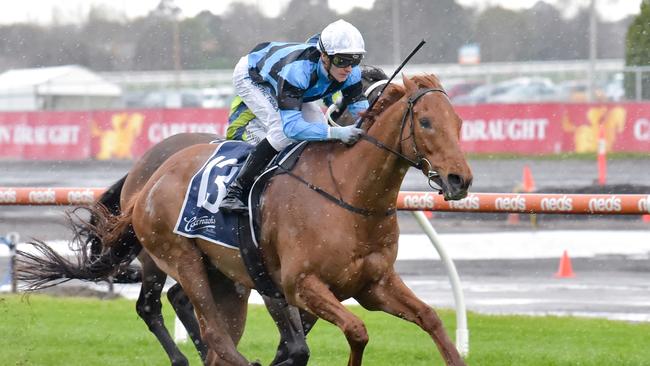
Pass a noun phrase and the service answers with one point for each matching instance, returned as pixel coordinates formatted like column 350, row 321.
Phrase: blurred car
column 485, row 93
column 577, row 91
column 527, row 90
column 133, row 99
column 614, row 90
column 517, row 90
column 186, row 98
column 461, row 87
column 217, row 97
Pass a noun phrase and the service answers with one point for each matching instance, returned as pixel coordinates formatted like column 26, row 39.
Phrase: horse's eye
column 425, row 123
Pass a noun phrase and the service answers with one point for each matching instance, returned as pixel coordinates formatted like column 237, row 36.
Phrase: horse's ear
column 409, row 85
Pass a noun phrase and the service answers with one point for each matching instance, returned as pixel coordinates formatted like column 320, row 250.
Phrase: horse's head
column 431, row 136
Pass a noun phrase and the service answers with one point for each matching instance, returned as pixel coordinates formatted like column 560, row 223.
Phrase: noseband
column 419, row 160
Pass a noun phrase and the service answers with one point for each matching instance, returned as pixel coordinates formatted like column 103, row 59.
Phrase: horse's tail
column 111, row 200
column 43, row 267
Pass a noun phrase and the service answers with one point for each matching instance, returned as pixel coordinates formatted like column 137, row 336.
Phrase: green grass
column 42, row 330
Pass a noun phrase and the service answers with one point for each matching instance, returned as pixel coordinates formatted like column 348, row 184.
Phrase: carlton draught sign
column 507, row 128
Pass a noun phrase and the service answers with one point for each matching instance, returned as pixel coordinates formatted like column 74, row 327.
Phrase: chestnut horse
column 148, row 305
column 320, row 246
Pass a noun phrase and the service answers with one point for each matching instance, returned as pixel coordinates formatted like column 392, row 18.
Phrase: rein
column 339, row 201
column 417, row 164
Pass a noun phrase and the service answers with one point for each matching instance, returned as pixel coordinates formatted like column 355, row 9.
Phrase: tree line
column 163, row 41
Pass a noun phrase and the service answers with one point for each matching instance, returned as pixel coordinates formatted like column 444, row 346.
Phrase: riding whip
column 415, row 50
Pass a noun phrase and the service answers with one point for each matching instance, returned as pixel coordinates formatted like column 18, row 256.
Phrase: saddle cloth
column 200, row 216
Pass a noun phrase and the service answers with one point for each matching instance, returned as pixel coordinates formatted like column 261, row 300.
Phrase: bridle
column 419, row 160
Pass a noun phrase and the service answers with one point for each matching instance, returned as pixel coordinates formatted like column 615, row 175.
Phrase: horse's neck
column 376, row 174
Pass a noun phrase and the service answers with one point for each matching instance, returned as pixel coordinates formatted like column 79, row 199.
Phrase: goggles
column 345, row 60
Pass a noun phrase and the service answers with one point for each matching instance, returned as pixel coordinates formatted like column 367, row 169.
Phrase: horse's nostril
column 455, row 180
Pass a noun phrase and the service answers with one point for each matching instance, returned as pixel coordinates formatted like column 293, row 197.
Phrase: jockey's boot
column 235, row 200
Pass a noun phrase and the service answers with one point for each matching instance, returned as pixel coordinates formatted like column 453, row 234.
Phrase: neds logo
column 644, row 204
column 470, row 202
column 48, row 196
column 563, row 203
column 81, row 197
column 419, row 201
column 8, row 196
column 605, row 204
column 516, row 203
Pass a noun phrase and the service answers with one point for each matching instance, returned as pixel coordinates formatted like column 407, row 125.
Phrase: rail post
column 11, row 241
column 462, row 333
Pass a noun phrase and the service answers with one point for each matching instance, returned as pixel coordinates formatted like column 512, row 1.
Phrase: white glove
column 347, row 134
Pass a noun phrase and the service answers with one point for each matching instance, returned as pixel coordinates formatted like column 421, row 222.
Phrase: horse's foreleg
column 149, row 309
column 317, row 297
column 293, row 349
column 391, row 295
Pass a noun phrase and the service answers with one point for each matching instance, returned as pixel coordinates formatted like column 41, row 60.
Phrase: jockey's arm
column 294, row 125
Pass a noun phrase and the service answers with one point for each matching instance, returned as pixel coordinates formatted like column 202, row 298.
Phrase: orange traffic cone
column 565, row 270
column 513, row 219
column 428, row 214
column 528, row 183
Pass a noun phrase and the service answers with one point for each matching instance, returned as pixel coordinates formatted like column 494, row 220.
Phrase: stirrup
column 234, row 205
column 233, row 202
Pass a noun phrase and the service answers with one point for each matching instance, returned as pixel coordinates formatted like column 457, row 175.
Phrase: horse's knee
column 148, row 310
column 181, row 361
column 356, row 334
column 294, row 354
column 221, row 344
column 177, row 297
column 428, row 319
column 298, row 354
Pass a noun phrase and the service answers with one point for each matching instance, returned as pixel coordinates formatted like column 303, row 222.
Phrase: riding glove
column 347, row 134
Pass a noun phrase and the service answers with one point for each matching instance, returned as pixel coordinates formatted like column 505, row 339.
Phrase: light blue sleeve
column 358, row 107
column 295, row 127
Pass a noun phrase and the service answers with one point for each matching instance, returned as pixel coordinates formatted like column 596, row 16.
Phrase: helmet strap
column 324, row 52
column 328, row 68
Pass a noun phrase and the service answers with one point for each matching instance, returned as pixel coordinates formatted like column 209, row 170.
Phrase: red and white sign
column 551, row 128
column 44, row 135
column 548, row 128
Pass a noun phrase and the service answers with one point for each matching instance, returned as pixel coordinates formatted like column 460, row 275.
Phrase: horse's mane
column 394, row 92
column 391, row 95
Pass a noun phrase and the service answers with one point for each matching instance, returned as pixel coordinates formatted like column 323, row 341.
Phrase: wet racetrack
column 615, row 285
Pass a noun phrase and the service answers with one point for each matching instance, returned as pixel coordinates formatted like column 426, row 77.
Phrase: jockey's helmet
column 341, row 37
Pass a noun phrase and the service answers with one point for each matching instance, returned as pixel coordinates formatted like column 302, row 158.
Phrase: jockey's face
column 339, row 74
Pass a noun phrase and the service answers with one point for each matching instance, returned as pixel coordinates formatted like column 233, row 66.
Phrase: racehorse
column 148, row 305
column 319, row 247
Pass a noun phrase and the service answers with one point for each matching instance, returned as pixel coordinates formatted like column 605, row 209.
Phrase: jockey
column 281, row 84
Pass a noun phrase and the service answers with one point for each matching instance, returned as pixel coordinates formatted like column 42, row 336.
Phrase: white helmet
column 341, row 37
